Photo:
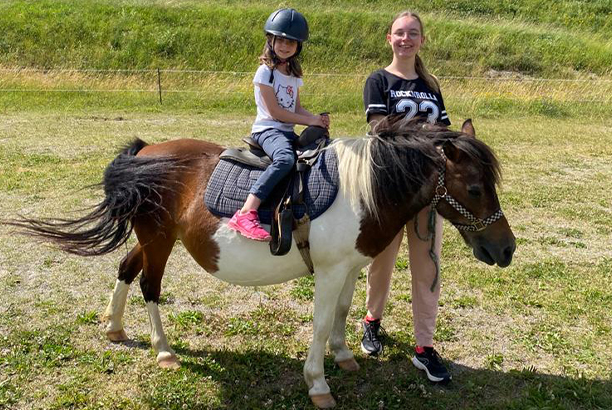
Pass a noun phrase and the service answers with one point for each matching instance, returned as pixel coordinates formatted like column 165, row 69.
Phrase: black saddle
column 307, row 146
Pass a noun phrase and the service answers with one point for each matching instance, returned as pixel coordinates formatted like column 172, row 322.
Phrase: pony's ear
column 451, row 152
column 468, row 128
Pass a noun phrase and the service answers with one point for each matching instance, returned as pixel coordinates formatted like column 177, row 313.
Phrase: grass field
column 536, row 335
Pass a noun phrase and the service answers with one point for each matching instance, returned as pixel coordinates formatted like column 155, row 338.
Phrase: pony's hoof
column 117, row 336
column 167, row 361
column 349, row 365
column 323, row 401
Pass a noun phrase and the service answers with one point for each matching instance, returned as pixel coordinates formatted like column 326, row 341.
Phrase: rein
column 441, row 193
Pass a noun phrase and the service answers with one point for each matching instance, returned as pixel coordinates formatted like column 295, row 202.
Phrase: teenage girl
column 406, row 87
column 277, row 83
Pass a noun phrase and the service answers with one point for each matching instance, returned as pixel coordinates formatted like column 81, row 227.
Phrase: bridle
column 441, row 193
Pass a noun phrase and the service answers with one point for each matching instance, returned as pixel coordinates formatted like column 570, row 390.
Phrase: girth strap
column 301, row 234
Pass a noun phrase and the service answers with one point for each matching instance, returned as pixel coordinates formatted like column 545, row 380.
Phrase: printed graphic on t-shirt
column 388, row 94
column 426, row 107
column 285, row 96
column 413, row 103
column 285, row 89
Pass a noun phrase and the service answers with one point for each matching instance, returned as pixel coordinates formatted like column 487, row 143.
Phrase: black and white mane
column 400, row 156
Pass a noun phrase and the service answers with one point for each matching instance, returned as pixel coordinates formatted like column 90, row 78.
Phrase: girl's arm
column 375, row 119
column 301, row 116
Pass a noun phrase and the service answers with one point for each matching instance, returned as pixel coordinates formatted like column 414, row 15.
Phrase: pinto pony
column 385, row 179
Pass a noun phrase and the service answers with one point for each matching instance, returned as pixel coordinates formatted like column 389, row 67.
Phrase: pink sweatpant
column 423, row 271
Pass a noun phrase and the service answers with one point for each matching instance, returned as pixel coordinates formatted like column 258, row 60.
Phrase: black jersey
column 385, row 93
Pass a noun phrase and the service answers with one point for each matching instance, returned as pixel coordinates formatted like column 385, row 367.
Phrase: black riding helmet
column 287, row 23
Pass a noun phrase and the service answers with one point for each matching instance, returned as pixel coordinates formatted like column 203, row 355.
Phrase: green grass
column 537, row 334
column 477, row 98
column 534, row 335
column 509, row 45
column 466, row 38
column 303, row 289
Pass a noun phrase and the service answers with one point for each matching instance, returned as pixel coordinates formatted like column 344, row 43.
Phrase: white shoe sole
column 365, row 351
column 421, row 366
column 235, row 228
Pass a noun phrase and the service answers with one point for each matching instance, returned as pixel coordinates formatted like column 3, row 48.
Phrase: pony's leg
column 337, row 340
column 154, row 262
column 166, row 358
column 129, row 268
column 328, row 286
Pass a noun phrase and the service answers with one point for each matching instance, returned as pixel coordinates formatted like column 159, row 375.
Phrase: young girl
column 406, row 87
column 277, row 83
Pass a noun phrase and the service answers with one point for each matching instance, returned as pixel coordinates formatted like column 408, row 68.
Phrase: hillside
column 508, row 58
column 539, row 38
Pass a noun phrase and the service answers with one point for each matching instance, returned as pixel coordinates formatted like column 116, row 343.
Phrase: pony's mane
column 398, row 158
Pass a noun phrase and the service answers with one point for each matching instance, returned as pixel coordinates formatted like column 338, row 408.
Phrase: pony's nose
column 507, row 255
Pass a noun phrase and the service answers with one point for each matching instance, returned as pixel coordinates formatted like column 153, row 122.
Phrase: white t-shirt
column 286, row 90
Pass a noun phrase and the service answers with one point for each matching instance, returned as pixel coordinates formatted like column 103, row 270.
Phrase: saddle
column 307, row 148
column 284, row 224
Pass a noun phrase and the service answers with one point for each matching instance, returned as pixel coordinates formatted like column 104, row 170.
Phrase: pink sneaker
column 248, row 225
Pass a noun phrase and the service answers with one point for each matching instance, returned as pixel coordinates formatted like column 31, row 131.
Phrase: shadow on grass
column 260, row 379
column 134, row 344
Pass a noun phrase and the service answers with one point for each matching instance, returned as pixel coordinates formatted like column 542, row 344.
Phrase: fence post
column 159, row 85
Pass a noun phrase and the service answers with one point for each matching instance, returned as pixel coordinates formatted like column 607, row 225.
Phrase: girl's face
column 284, row 47
column 406, row 37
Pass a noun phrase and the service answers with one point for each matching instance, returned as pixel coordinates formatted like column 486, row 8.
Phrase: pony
column 385, row 179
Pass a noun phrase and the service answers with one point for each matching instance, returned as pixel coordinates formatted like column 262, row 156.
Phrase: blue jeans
column 278, row 145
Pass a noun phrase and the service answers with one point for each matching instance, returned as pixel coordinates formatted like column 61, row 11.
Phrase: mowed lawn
column 537, row 334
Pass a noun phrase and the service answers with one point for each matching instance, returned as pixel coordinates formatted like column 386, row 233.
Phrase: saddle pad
column 231, row 181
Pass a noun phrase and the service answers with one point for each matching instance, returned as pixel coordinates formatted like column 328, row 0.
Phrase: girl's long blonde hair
column 268, row 58
column 419, row 66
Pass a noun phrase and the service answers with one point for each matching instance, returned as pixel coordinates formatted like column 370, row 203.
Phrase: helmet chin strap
column 276, row 59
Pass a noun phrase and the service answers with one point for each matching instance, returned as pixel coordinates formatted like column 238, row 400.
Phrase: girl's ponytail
column 421, row 70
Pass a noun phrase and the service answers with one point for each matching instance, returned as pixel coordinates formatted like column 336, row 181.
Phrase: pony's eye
column 474, row 191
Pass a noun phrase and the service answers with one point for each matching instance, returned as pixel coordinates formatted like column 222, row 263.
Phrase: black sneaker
column 372, row 340
column 431, row 362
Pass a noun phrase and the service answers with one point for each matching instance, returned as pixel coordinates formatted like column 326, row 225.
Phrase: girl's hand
column 325, row 118
column 320, row 121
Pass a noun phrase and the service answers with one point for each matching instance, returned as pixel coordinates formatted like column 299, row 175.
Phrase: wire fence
column 180, row 81
column 508, row 77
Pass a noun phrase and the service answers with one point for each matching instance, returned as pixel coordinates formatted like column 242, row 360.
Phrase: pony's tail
column 132, row 187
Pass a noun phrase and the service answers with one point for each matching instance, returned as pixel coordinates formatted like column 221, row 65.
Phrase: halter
column 441, row 193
